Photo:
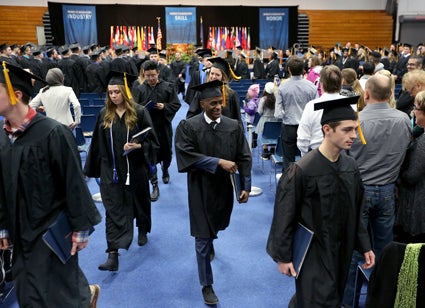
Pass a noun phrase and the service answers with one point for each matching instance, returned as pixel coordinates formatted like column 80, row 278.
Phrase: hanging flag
column 159, row 35
column 228, row 38
column 117, row 36
column 145, row 38
column 111, row 39
column 243, row 42
column 152, row 39
column 248, row 40
column 209, row 38
column 124, row 36
column 213, row 37
column 139, row 39
column 217, row 40
column 133, row 40
column 201, row 32
column 223, row 38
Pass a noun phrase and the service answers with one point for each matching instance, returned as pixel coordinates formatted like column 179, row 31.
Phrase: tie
column 213, row 124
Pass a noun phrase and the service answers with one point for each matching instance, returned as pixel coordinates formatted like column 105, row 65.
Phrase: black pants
column 288, row 137
column 203, row 249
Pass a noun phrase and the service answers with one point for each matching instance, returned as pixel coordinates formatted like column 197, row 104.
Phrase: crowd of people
column 358, row 185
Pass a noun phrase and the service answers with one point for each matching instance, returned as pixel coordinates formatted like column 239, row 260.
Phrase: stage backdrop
column 217, row 16
column 79, row 24
column 181, row 24
column 274, row 27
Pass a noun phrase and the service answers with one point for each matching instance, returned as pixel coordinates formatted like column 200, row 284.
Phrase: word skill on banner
column 222, row 38
column 181, row 24
column 79, row 24
column 140, row 37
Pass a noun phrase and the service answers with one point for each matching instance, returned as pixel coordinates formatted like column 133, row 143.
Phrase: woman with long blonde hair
column 351, row 86
column 122, row 162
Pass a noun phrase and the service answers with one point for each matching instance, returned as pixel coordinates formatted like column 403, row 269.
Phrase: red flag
column 125, row 37
column 209, row 43
column 243, row 38
column 248, row 40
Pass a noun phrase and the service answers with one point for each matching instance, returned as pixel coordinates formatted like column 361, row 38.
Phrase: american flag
column 159, row 35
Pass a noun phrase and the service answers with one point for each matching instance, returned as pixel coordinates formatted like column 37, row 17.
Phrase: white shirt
column 309, row 133
column 57, row 101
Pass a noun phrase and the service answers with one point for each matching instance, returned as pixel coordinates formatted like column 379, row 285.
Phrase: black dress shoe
column 165, row 176
column 209, row 296
column 155, row 193
column 142, row 239
column 111, row 263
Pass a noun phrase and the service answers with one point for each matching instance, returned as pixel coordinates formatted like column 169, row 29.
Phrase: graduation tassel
column 12, row 96
column 223, row 94
column 233, row 75
column 127, row 89
column 359, row 129
column 127, row 182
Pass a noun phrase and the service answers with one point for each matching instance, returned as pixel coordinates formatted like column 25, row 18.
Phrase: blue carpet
column 163, row 273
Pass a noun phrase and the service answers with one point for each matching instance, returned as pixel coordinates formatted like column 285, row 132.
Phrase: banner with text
column 274, row 27
column 80, row 24
column 181, row 25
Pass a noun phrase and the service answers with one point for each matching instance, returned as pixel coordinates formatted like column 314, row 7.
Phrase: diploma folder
column 236, row 183
column 300, row 246
column 138, row 138
column 58, row 237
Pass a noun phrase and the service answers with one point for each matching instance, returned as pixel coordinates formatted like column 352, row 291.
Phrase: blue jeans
column 378, row 216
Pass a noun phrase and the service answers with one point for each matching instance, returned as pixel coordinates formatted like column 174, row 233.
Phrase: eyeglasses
column 411, row 64
column 417, row 108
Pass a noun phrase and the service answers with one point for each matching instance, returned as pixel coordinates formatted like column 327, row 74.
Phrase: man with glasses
column 405, row 100
column 414, row 82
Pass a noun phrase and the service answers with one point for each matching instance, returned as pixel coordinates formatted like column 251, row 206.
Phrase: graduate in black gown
column 210, row 147
column 124, row 180
column 221, row 71
column 323, row 191
column 41, row 178
column 163, row 106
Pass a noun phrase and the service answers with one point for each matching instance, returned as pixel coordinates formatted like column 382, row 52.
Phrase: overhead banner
column 79, row 24
column 181, row 25
column 274, row 27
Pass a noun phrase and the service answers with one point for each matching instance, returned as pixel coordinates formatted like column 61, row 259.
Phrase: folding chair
column 276, row 159
column 270, row 135
column 82, row 144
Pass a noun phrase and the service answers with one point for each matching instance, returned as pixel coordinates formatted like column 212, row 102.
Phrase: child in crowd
column 266, row 110
column 250, row 106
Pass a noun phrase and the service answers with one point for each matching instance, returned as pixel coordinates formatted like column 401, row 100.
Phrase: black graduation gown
column 258, row 69
column 272, row 69
column 42, row 177
column 122, row 202
column 96, row 78
column 71, row 72
column 326, row 197
column 164, row 92
column 210, row 189
column 231, row 110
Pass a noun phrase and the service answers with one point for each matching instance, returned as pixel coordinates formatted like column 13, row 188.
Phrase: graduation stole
column 407, row 284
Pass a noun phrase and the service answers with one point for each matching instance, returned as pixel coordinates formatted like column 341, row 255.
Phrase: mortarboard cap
column 15, row 77
column 85, row 48
column 204, row 53
column 36, row 52
column 125, row 48
column 3, row 47
column 407, row 45
column 337, row 109
column 121, row 78
column 258, row 49
column 13, row 46
column 63, row 50
column 74, row 46
column 209, row 89
column 95, row 55
column 239, row 47
column 23, row 48
column 243, row 55
column 153, row 50
column 221, row 64
column 140, row 62
column 163, row 54
column 117, row 78
column 376, row 54
column 50, row 51
column 93, row 46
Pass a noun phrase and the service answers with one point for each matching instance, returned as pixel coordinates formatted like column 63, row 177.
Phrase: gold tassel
column 223, row 94
column 233, row 75
column 359, row 129
column 11, row 92
column 127, row 90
